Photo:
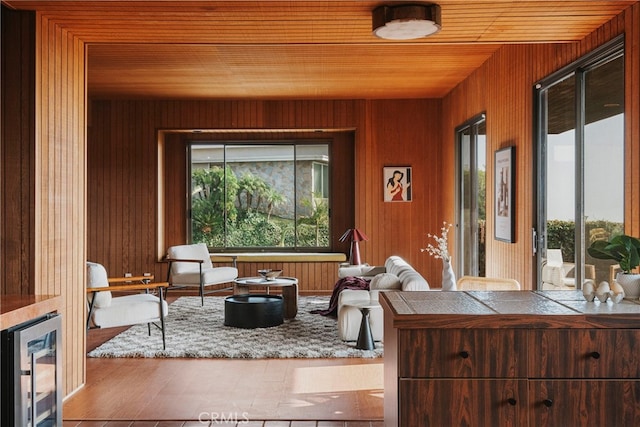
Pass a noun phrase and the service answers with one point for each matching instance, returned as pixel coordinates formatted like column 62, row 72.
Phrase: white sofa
column 399, row 275
column 361, row 270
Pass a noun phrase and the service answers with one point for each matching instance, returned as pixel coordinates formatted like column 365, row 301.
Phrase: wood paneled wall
column 18, row 143
column 122, row 173
column 59, row 185
column 401, row 228
column 503, row 88
column 43, row 141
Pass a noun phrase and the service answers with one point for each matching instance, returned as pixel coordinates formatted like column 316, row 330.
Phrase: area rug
column 194, row 331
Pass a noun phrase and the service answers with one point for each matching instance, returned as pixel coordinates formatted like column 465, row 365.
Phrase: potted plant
column 626, row 251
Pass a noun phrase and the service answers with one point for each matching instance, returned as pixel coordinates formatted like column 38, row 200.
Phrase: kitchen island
column 510, row 358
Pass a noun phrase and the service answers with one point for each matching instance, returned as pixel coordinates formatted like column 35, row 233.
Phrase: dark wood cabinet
column 462, row 353
column 510, row 359
column 585, row 353
column 463, row 402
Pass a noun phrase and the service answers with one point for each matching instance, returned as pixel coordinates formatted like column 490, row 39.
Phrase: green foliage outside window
column 482, row 222
column 481, row 195
column 208, row 204
column 249, row 221
column 313, row 230
column 561, row 234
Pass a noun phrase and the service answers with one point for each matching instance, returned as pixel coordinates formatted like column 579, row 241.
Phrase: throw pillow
column 385, row 281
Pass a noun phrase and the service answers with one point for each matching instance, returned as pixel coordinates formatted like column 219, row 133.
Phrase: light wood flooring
column 229, row 392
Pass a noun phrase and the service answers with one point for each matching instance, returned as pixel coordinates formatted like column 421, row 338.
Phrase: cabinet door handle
column 595, row 355
column 34, row 401
column 512, row 401
column 464, row 354
column 548, row 403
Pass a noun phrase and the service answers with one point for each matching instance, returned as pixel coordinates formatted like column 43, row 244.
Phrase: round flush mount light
column 407, row 21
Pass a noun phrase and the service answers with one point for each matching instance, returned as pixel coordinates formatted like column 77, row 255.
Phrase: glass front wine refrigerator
column 31, row 373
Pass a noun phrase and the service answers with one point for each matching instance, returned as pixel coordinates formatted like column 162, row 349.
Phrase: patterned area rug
column 198, row 332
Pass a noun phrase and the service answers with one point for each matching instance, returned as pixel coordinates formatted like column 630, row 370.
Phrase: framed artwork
column 504, row 208
column 397, row 183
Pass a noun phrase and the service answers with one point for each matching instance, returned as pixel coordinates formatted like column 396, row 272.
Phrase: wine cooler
column 31, row 373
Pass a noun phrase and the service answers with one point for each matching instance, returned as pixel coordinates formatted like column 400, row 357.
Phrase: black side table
column 365, row 337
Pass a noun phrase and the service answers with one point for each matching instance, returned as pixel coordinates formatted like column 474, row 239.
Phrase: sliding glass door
column 581, row 167
column 470, row 197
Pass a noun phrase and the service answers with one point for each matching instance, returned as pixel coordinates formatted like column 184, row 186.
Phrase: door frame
column 605, row 53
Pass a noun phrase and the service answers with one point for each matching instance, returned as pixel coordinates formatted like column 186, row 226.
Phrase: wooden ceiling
column 299, row 49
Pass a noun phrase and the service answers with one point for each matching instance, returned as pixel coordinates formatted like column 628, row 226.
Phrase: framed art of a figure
column 397, row 183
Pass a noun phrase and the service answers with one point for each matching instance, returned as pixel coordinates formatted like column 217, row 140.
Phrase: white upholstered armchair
column 191, row 266
column 136, row 307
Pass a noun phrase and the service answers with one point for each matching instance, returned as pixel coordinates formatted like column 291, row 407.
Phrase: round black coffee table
column 253, row 311
column 289, row 286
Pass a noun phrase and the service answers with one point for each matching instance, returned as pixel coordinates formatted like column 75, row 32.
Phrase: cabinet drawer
column 468, row 402
column 585, row 353
column 462, row 353
column 584, row 403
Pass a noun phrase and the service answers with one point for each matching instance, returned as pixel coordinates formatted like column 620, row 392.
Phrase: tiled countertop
column 515, row 309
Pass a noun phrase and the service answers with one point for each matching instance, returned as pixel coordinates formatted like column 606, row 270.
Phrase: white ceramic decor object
column 588, row 291
column 630, row 283
column 617, row 292
column 602, row 292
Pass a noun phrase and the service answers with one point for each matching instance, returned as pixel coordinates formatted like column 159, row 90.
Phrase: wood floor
column 226, row 392
column 223, row 423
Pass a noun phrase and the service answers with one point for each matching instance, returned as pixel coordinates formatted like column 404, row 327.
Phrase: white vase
column 630, row 283
column 448, row 278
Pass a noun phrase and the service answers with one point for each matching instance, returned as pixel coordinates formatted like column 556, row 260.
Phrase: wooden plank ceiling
column 299, row 49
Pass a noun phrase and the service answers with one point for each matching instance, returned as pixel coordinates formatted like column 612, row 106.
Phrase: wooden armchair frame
column 473, row 283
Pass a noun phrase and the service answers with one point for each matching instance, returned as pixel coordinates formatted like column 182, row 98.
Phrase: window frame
column 295, row 144
column 470, row 125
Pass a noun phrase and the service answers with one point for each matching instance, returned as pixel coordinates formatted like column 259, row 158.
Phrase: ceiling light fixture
column 406, row 22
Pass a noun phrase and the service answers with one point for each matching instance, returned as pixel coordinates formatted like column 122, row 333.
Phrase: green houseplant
column 621, row 248
column 626, row 251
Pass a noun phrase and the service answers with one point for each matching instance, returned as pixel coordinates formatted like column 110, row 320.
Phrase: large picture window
column 247, row 196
